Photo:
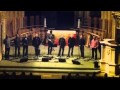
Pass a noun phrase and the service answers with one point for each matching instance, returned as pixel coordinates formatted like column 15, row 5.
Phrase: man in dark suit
column 36, row 43
column 25, row 42
column 62, row 44
column 17, row 45
column 81, row 45
column 7, row 47
column 71, row 44
column 50, row 39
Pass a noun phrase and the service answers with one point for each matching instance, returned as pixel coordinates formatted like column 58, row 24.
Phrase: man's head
column 17, row 35
column 36, row 35
column 82, row 32
column 94, row 37
column 97, row 38
column 6, row 36
column 81, row 36
column 26, row 35
column 51, row 32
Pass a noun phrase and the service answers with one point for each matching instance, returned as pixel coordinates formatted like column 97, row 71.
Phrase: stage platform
column 53, row 66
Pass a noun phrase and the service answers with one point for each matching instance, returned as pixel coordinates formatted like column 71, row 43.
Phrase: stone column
column 109, row 24
column 45, row 23
column 3, row 33
column 0, row 42
column 113, row 28
column 110, row 58
column 116, row 17
column 22, row 19
column 103, row 19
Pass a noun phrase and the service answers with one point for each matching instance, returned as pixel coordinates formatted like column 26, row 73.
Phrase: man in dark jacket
column 62, row 44
column 17, row 45
column 50, row 38
column 25, row 42
column 81, row 45
column 71, row 44
column 36, row 43
column 7, row 47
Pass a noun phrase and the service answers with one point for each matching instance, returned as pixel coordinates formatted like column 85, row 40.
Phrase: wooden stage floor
column 53, row 66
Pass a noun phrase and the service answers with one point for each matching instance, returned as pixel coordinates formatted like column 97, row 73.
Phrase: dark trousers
column 7, row 52
column 37, row 51
column 99, row 49
column 82, row 50
column 17, row 48
column 61, row 49
column 25, row 51
column 70, row 49
column 49, row 50
column 94, row 51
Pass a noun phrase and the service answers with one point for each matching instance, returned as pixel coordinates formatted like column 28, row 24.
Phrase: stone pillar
column 109, row 24
column 22, row 19
column 113, row 28
column 110, row 58
column 45, row 23
column 3, row 33
column 116, row 17
column 103, row 19
column 0, row 42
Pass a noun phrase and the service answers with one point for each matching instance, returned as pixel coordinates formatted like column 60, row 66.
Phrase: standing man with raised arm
column 7, row 47
column 50, row 38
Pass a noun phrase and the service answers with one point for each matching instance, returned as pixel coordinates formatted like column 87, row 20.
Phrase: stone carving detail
column 116, row 15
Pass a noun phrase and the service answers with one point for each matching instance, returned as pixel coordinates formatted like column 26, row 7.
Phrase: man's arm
column 64, row 41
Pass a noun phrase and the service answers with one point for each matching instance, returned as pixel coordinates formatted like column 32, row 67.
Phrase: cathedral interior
column 103, row 24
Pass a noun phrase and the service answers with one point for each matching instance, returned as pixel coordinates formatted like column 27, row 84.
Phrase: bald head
column 81, row 36
column 36, row 35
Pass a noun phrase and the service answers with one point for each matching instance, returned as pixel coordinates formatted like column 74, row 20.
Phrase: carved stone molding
column 116, row 16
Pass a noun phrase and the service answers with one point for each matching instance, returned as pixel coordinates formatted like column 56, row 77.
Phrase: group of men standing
column 36, row 41
column 62, row 44
column 94, row 45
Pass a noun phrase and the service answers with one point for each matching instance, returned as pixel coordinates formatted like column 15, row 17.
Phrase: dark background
column 58, row 19
column 55, row 19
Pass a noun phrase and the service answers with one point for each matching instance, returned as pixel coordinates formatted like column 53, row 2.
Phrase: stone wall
column 9, row 19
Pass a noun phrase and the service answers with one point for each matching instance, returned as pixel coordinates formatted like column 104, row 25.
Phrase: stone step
column 47, row 70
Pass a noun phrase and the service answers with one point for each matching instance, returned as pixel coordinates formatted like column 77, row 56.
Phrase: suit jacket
column 36, row 41
column 71, row 42
column 25, row 41
column 17, row 41
column 62, row 42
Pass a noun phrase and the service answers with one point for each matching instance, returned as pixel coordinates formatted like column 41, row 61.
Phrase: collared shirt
column 94, row 43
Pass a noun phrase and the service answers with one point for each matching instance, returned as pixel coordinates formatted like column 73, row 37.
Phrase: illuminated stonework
column 116, row 15
column 6, row 17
